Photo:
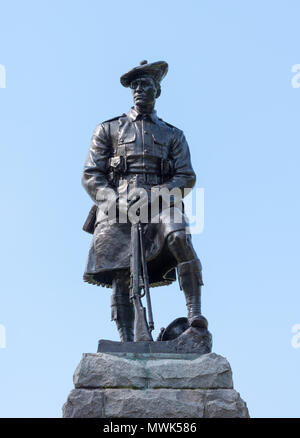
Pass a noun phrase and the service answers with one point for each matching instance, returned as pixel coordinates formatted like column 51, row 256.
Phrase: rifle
column 139, row 280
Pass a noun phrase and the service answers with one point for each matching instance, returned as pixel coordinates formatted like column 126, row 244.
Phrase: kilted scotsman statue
column 140, row 150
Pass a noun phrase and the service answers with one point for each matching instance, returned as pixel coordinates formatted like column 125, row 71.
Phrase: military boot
column 190, row 281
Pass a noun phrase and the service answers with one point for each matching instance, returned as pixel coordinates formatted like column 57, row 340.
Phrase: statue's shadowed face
column 144, row 91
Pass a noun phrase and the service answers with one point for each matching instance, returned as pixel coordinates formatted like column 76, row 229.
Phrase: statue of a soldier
column 141, row 149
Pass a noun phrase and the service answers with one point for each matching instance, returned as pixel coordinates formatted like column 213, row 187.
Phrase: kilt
column 110, row 249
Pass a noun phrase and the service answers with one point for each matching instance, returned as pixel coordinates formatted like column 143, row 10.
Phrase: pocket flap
column 128, row 138
column 159, row 138
column 127, row 134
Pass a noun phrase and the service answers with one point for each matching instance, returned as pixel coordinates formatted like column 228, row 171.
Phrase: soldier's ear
column 158, row 90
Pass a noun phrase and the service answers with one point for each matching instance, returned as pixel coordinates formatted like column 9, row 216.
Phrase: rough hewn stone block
column 154, row 385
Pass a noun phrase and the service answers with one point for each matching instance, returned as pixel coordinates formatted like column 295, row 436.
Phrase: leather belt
column 123, row 165
column 141, row 178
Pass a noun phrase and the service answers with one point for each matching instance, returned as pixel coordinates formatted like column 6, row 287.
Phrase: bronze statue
column 140, row 149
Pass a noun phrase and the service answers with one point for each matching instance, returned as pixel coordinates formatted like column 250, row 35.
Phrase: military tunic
column 147, row 152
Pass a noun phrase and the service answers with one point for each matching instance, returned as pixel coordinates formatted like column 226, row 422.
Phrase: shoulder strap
column 114, row 118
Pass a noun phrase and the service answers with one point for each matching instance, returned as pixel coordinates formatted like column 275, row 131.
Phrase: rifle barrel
column 146, row 279
column 141, row 329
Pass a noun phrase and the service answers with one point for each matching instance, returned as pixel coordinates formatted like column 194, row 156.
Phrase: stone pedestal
column 154, row 385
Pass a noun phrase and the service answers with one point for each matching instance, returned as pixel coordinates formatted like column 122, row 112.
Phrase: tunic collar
column 133, row 115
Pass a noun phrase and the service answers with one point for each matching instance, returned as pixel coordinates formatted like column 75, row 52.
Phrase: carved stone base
column 154, row 385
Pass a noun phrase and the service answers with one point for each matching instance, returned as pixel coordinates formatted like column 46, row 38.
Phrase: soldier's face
column 143, row 91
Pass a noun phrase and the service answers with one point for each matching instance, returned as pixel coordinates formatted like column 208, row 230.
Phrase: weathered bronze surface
column 139, row 149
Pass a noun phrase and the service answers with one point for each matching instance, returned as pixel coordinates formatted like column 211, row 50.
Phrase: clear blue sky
column 229, row 88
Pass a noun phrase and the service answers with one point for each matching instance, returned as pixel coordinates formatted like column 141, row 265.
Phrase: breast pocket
column 126, row 144
column 160, row 145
